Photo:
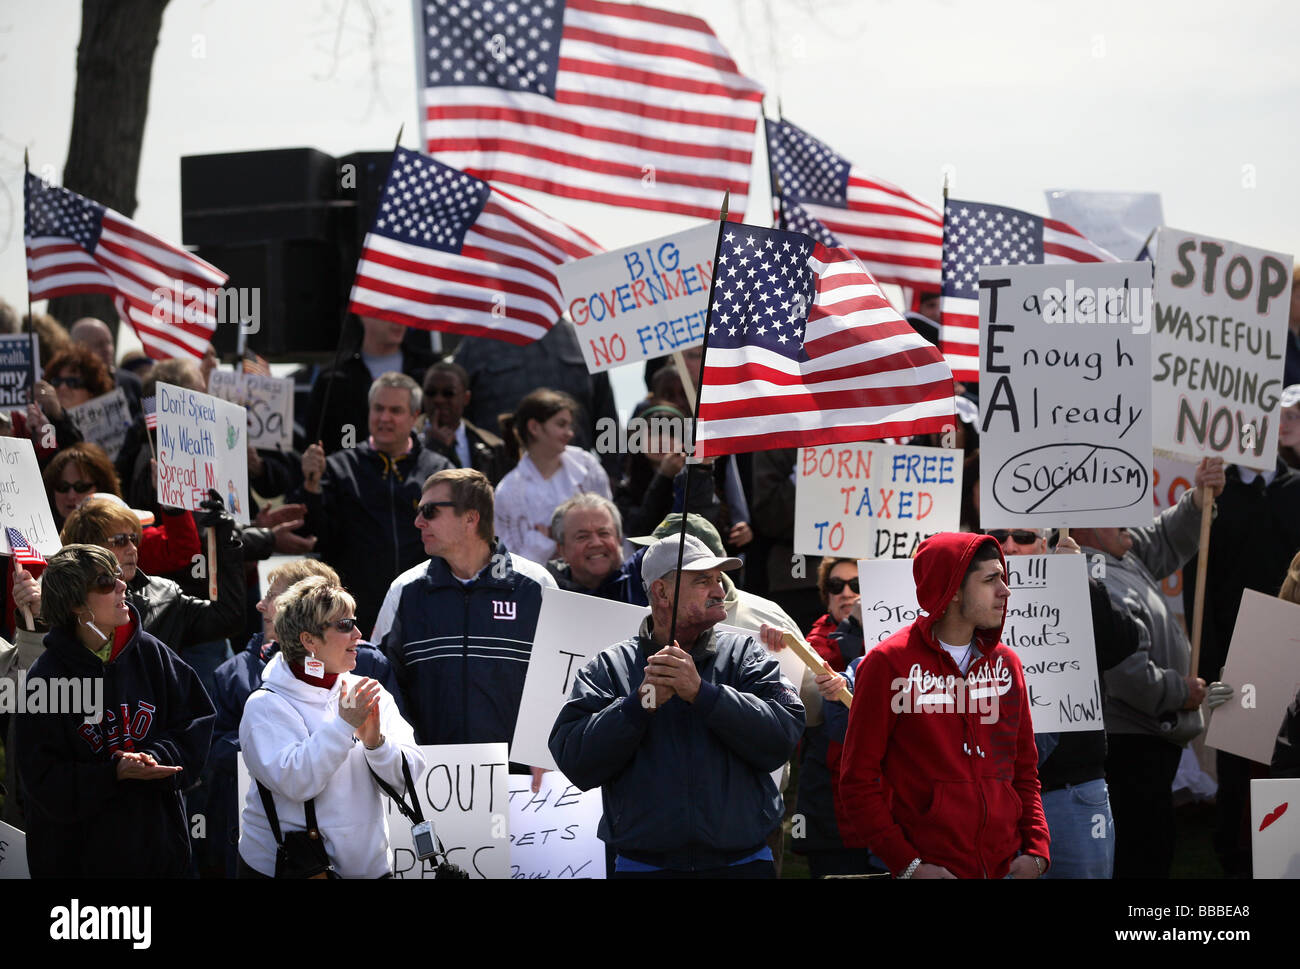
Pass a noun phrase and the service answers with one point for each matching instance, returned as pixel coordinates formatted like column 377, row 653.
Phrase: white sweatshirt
column 526, row 500
column 295, row 742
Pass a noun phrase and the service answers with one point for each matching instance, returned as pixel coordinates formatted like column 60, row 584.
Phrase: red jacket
column 819, row 638
column 924, row 779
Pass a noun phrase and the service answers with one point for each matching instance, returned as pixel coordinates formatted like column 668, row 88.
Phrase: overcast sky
column 1193, row 99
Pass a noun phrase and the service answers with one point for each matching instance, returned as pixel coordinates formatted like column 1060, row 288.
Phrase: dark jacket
column 348, row 389
column 364, row 518
column 622, row 585
column 1286, row 749
column 487, row 452
column 82, row 821
column 688, row 786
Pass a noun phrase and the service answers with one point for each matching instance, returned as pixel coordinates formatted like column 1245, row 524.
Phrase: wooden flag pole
column 688, row 382
column 31, row 326
column 1202, row 563
column 814, row 663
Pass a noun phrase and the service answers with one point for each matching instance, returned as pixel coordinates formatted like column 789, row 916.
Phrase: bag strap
column 309, row 805
column 412, row 812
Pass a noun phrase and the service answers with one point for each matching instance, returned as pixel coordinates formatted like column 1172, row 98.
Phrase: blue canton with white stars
column 509, row 44
column 808, row 169
column 54, row 211
column 763, row 291
column 797, row 219
column 428, row 204
column 977, row 235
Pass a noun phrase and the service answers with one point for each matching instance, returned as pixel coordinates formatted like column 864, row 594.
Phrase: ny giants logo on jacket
column 120, row 728
column 978, row 692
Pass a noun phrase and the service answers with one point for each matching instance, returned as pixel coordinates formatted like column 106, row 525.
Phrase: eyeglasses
column 72, row 383
column 105, row 582
column 430, row 508
column 80, row 487
column 836, row 586
column 443, row 392
column 1019, row 537
column 342, row 625
column 119, row 541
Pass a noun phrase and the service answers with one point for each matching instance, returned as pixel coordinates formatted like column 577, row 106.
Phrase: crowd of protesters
column 426, row 510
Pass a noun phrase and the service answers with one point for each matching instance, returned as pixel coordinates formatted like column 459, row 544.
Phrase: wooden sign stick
column 1202, row 563
column 688, row 382
column 212, row 563
column 814, row 663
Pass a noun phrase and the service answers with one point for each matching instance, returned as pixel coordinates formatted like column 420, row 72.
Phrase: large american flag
column 896, row 236
column 804, row 349
column 976, row 234
column 76, row 245
column 450, row 252
column 23, row 553
column 610, row 102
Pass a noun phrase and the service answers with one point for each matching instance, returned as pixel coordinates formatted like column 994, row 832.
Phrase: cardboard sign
column 13, row 852
column 553, row 832
column 1218, row 348
column 641, row 302
column 874, row 500
column 23, row 504
column 17, row 351
column 1263, row 665
column 268, row 400
column 1275, row 827
column 202, row 444
column 104, row 420
column 1117, row 221
column 1065, row 410
column 1049, row 625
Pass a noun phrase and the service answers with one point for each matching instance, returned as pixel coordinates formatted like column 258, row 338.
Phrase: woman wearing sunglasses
column 77, row 376
column 76, row 473
column 103, row 798
column 315, row 732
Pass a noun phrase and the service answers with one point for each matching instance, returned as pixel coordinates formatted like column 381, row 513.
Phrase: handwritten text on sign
column 1049, row 625
column 17, row 351
column 1066, row 422
column 553, row 832
column 876, row 500
column 202, row 444
column 104, row 421
column 1220, row 336
column 23, row 504
column 268, row 400
column 641, row 302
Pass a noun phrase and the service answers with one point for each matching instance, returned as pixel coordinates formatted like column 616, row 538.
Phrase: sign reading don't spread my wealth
column 1065, row 429
column 202, row 445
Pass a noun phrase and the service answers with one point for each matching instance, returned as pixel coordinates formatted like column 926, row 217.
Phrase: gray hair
column 400, row 381
column 586, row 499
column 67, row 581
column 306, row 607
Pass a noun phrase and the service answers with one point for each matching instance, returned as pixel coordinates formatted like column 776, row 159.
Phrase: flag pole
column 31, row 317
column 695, row 422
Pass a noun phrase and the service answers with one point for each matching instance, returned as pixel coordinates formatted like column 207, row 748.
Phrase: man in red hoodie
column 939, row 775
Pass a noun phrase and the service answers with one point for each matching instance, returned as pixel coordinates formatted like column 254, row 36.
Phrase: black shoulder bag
column 300, row 854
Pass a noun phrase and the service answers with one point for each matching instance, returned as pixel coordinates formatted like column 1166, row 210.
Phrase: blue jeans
column 1083, row 831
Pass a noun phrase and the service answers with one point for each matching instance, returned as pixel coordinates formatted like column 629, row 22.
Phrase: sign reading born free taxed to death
column 1220, row 338
column 1049, row 625
column 1065, row 422
column 202, row 444
column 874, row 500
column 641, row 302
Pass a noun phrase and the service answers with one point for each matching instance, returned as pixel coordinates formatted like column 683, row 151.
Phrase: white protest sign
column 268, row 400
column 17, row 351
column 1263, row 665
column 874, row 500
column 104, row 420
column 23, row 504
column 1049, row 625
column 1065, row 409
column 13, row 852
column 1119, row 222
column 1275, row 827
column 645, row 301
column 553, row 832
column 202, row 444
column 1221, row 312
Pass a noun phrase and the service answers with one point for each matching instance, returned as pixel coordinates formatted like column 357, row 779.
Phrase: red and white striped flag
column 804, row 349
column 23, row 553
column 610, row 102
column 450, row 252
column 76, row 245
column 150, row 407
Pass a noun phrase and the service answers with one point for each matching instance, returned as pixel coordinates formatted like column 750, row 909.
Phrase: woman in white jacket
column 315, row 731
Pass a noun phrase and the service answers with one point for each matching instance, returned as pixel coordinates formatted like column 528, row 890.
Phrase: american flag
column 977, row 235
column 23, row 553
column 150, row 407
column 450, row 252
column 75, row 245
column 804, row 349
column 896, row 236
column 610, row 102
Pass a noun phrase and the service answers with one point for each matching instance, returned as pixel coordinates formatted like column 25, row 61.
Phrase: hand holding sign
column 1209, row 475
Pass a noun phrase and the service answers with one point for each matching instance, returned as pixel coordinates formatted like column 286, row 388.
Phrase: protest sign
column 23, row 504
column 1065, row 423
column 1049, row 625
column 645, row 301
column 1221, row 312
column 1275, row 827
column 1263, row 665
column 202, row 444
column 1119, row 222
column 553, row 832
column 104, row 420
column 268, row 400
column 13, row 852
column 17, row 351
column 874, row 500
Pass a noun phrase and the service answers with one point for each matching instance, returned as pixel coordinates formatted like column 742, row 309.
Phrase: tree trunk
column 114, row 66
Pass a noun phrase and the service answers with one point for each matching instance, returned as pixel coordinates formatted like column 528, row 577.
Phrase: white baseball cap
column 661, row 558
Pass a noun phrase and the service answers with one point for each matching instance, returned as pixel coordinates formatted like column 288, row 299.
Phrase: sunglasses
column 836, row 586
column 80, row 487
column 342, row 625
column 1019, row 537
column 72, row 383
column 444, row 392
column 430, row 508
column 105, row 582
column 120, row 541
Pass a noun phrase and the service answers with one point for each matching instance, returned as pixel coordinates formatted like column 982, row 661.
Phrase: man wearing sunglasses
column 446, row 395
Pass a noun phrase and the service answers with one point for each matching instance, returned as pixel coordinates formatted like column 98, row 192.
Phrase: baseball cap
column 696, row 525
column 696, row 557
column 145, row 517
column 1291, row 395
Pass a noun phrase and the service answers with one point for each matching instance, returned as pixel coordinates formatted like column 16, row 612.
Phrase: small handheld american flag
column 24, row 554
column 150, row 406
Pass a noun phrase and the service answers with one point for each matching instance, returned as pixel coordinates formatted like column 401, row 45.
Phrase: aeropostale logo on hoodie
column 979, row 691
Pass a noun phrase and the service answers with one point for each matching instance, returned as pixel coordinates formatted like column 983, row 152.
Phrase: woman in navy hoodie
column 104, row 798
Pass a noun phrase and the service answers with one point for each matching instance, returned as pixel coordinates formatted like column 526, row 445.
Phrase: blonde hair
column 1290, row 590
column 307, row 607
